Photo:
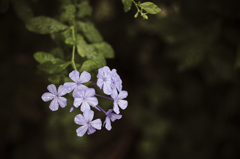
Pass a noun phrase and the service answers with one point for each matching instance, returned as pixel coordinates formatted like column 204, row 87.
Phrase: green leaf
column 70, row 41
column 95, row 59
column 84, row 10
column 127, row 4
column 52, row 67
column 55, row 79
column 80, row 42
column 91, row 52
column 69, row 14
column 4, row 5
column 81, row 50
column 90, row 32
column 150, row 7
column 42, row 57
column 90, row 65
column 22, row 9
column 105, row 49
column 67, row 33
column 45, row 25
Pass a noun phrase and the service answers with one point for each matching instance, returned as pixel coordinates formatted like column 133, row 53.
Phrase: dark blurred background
column 180, row 68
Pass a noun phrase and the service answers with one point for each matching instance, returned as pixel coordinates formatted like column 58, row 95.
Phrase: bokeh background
column 181, row 69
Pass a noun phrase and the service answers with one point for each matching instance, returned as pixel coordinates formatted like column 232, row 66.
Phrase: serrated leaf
column 4, row 5
column 105, row 49
column 150, row 7
column 90, row 65
column 45, row 25
column 127, row 4
column 54, row 67
column 55, row 79
column 90, row 32
column 84, row 10
column 22, row 9
column 42, row 57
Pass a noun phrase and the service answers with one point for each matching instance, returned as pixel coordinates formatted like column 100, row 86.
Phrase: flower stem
column 101, row 109
column 103, row 96
column 73, row 51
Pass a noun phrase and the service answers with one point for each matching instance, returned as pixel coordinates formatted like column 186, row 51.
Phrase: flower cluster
column 85, row 98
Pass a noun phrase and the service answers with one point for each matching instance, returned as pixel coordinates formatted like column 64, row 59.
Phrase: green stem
column 73, row 51
column 136, row 6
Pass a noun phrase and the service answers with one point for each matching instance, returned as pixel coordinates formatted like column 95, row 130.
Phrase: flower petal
column 74, row 75
column 85, row 106
column 80, row 120
column 81, row 87
column 54, row 105
column 62, row 101
column 107, row 88
column 88, row 114
column 62, row 90
column 70, row 86
column 123, row 104
column 97, row 124
column 90, row 92
column 84, row 77
column 93, row 101
column 91, row 130
column 116, row 108
column 47, row 96
column 107, row 123
column 82, row 130
column 122, row 94
column 77, row 102
column 109, row 112
column 52, row 89
column 113, row 117
column 114, row 94
column 100, row 83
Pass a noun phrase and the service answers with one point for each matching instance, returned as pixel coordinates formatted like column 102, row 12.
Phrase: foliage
column 180, row 67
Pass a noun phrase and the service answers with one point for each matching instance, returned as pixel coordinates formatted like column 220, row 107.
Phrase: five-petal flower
column 104, row 80
column 55, row 96
column 78, row 80
column 87, row 124
column 85, row 98
column 110, row 117
column 116, row 80
column 118, row 100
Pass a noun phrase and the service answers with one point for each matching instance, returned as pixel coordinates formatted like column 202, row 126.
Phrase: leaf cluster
column 148, row 7
column 71, row 31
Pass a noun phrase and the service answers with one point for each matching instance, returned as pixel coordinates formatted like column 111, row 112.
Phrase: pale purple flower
column 87, row 124
column 104, row 80
column 55, row 96
column 110, row 117
column 116, row 80
column 78, row 80
column 85, row 98
column 118, row 100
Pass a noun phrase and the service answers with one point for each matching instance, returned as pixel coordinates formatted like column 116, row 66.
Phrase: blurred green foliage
column 180, row 68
